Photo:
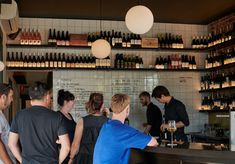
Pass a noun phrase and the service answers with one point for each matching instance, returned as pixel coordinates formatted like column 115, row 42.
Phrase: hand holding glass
column 171, row 128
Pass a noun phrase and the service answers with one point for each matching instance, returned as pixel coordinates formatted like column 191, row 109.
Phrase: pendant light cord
column 100, row 14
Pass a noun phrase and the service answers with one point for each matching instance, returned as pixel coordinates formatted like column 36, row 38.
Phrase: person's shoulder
column 177, row 101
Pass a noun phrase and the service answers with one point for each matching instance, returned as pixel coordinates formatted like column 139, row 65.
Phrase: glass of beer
column 172, row 128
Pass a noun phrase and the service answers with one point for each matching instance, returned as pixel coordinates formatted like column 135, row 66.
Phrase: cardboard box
column 149, row 43
column 78, row 39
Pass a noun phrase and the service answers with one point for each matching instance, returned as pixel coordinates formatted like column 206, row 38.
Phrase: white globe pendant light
column 2, row 66
column 139, row 19
column 100, row 48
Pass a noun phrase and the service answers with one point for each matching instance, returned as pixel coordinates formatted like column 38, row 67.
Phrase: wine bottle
column 50, row 39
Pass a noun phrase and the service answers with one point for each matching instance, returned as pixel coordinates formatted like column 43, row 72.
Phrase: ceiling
column 167, row 11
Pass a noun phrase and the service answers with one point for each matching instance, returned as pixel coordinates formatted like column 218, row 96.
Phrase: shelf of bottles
column 220, row 59
column 117, row 39
column 52, row 60
column 217, row 81
column 218, row 102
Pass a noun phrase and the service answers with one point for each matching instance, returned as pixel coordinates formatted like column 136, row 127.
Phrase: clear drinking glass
column 172, row 128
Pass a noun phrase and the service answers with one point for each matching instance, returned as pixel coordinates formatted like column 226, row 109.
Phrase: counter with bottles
column 186, row 153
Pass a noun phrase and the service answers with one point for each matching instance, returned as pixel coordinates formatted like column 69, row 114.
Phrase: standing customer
column 65, row 100
column 6, row 97
column 38, row 128
column 174, row 110
column 87, row 131
column 153, row 114
column 116, row 138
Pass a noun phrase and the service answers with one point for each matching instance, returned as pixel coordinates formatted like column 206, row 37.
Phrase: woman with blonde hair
column 87, row 131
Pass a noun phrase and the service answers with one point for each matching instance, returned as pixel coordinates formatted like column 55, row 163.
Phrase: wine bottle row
column 218, row 102
column 116, row 39
column 217, row 80
column 222, row 30
column 55, row 60
column 59, row 38
column 176, row 62
column 30, row 37
column 169, row 40
column 128, row 61
column 219, row 58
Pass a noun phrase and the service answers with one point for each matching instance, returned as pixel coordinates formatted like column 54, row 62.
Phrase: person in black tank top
column 66, row 102
column 87, row 131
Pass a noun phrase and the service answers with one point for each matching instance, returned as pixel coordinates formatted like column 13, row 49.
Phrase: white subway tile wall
column 183, row 86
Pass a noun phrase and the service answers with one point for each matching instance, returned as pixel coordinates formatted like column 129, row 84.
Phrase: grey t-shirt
column 4, row 133
column 38, row 129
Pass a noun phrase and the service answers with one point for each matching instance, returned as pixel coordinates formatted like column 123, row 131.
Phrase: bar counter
column 186, row 153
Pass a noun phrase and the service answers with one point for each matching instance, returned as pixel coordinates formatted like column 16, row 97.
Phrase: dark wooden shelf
column 104, row 69
column 221, row 45
column 215, row 111
column 231, row 65
column 114, row 48
column 219, row 89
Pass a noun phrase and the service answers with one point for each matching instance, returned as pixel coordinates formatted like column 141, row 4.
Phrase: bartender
column 174, row 110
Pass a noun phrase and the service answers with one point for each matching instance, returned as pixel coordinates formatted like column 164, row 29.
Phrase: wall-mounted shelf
column 114, row 48
column 104, row 69
column 215, row 111
column 221, row 45
column 231, row 65
column 219, row 89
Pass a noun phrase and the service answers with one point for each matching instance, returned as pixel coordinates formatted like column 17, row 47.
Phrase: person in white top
column 6, row 97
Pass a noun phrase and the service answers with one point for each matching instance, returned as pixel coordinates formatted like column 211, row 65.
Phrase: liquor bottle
column 58, row 39
column 50, row 39
column 30, row 62
column 38, row 61
column 38, row 38
column 22, row 37
column 67, row 39
column 89, row 40
column 72, row 62
column 62, row 40
column 113, row 38
column 63, row 61
column 128, row 41
column 120, row 39
column 34, row 61
column 124, row 41
column 25, row 61
column 194, row 63
column 139, row 40
column 59, row 61
column 8, row 60
column 51, row 62
column 47, row 62
column 42, row 61
column 54, row 37
column 16, row 61
column 108, row 62
column 30, row 37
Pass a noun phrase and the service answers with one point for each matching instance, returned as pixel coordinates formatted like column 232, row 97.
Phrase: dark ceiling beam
column 5, row 1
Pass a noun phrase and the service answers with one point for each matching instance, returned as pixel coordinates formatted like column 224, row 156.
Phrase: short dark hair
column 5, row 89
column 158, row 91
column 64, row 96
column 38, row 90
column 144, row 94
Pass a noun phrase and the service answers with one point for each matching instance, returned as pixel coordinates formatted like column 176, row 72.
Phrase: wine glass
column 172, row 128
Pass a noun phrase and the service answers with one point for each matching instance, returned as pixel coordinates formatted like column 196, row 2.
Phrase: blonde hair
column 119, row 102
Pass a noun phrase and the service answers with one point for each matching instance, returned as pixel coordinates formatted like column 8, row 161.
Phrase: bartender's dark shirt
column 154, row 118
column 175, row 110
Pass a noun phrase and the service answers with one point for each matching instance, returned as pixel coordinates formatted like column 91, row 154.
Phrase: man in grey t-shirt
column 6, row 97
